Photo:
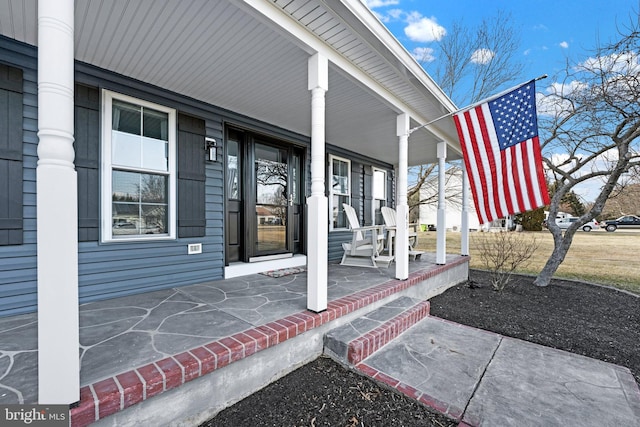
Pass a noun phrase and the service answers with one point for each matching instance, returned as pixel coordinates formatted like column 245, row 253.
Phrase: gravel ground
column 594, row 321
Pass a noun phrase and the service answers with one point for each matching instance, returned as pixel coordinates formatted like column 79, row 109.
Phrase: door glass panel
column 271, row 199
column 233, row 167
column 296, row 179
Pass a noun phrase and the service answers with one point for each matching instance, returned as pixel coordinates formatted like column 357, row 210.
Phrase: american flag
column 501, row 150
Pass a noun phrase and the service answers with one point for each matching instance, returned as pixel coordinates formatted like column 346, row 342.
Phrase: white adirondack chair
column 366, row 243
column 391, row 224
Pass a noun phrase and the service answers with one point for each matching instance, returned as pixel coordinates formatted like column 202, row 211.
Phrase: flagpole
column 544, row 76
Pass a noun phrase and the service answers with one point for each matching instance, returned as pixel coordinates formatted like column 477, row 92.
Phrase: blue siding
column 125, row 268
column 18, row 264
column 119, row 269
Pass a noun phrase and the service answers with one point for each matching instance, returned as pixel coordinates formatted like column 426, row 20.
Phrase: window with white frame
column 340, row 191
column 138, row 169
column 379, row 195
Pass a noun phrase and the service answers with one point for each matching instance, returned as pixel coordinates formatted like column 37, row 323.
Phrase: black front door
column 264, row 197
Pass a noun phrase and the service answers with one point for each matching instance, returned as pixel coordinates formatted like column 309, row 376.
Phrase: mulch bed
column 594, row 321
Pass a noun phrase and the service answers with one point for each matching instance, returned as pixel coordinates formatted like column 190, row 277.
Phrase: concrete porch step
column 357, row 340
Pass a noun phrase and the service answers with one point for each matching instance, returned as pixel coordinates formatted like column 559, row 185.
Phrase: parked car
column 564, row 223
column 627, row 221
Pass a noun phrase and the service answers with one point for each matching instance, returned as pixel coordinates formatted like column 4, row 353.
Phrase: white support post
column 402, row 209
column 317, row 204
column 464, row 220
column 441, row 227
column 57, row 207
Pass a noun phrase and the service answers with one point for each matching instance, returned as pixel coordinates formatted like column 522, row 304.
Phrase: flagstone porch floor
column 124, row 334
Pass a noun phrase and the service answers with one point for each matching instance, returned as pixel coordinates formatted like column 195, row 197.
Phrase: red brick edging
column 442, row 407
column 364, row 346
column 114, row 394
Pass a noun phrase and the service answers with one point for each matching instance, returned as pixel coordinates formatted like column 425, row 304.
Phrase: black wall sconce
column 211, row 148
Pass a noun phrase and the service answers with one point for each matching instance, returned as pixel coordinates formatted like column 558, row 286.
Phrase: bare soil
column 594, row 321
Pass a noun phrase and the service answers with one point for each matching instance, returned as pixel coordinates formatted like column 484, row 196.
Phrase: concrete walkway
column 485, row 379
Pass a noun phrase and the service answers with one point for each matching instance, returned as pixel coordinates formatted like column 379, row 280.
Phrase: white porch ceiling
column 227, row 54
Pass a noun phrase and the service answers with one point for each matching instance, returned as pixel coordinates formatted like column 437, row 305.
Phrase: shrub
column 503, row 252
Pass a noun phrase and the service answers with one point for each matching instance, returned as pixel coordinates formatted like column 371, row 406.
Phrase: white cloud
column 622, row 63
column 423, row 54
column 482, row 56
column 421, row 29
column 564, row 45
column 395, row 13
column 554, row 103
column 372, row 4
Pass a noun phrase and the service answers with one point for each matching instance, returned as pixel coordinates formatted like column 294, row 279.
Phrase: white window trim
column 331, row 193
column 106, row 170
column 384, row 189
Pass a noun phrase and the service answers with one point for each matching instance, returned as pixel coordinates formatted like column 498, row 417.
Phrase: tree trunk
column 561, row 246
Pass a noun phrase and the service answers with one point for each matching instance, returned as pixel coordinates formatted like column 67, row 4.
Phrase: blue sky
column 550, row 30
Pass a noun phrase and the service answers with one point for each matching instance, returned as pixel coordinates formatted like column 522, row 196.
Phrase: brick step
column 357, row 340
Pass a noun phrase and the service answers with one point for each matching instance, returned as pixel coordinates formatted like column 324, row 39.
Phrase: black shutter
column 356, row 190
column 368, row 194
column 11, row 195
column 87, row 149
column 191, row 176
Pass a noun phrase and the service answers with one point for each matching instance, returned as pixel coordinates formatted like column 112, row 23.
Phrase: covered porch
column 200, row 348
column 325, row 72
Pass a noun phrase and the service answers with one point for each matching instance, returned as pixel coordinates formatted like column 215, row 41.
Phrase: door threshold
column 270, row 257
column 238, row 269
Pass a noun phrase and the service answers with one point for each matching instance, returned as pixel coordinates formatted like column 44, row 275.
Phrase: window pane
column 139, row 203
column 125, row 218
column 339, row 218
column 126, row 117
column 125, row 149
column 155, row 124
column 379, row 178
column 340, row 178
column 125, row 186
column 153, row 188
column 271, row 175
column 378, row 204
column 154, row 154
column 153, row 219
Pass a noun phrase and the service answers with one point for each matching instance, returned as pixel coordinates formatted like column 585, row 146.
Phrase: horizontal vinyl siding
column 18, row 264
column 124, row 268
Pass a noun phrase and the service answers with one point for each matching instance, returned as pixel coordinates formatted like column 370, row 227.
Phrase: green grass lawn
column 597, row 256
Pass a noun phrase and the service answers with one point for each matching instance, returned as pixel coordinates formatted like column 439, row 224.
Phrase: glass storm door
column 272, row 195
column 264, row 197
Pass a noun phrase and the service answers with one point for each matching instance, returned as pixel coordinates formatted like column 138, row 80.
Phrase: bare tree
column 473, row 63
column 470, row 65
column 592, row 119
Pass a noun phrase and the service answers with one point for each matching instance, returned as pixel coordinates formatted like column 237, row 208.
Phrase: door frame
column 247, row 223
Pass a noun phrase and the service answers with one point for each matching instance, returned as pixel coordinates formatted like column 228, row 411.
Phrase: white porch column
column 317, row 204
column 441, row 227
column 57, row 207
column 402, row 208
column 464, row 220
